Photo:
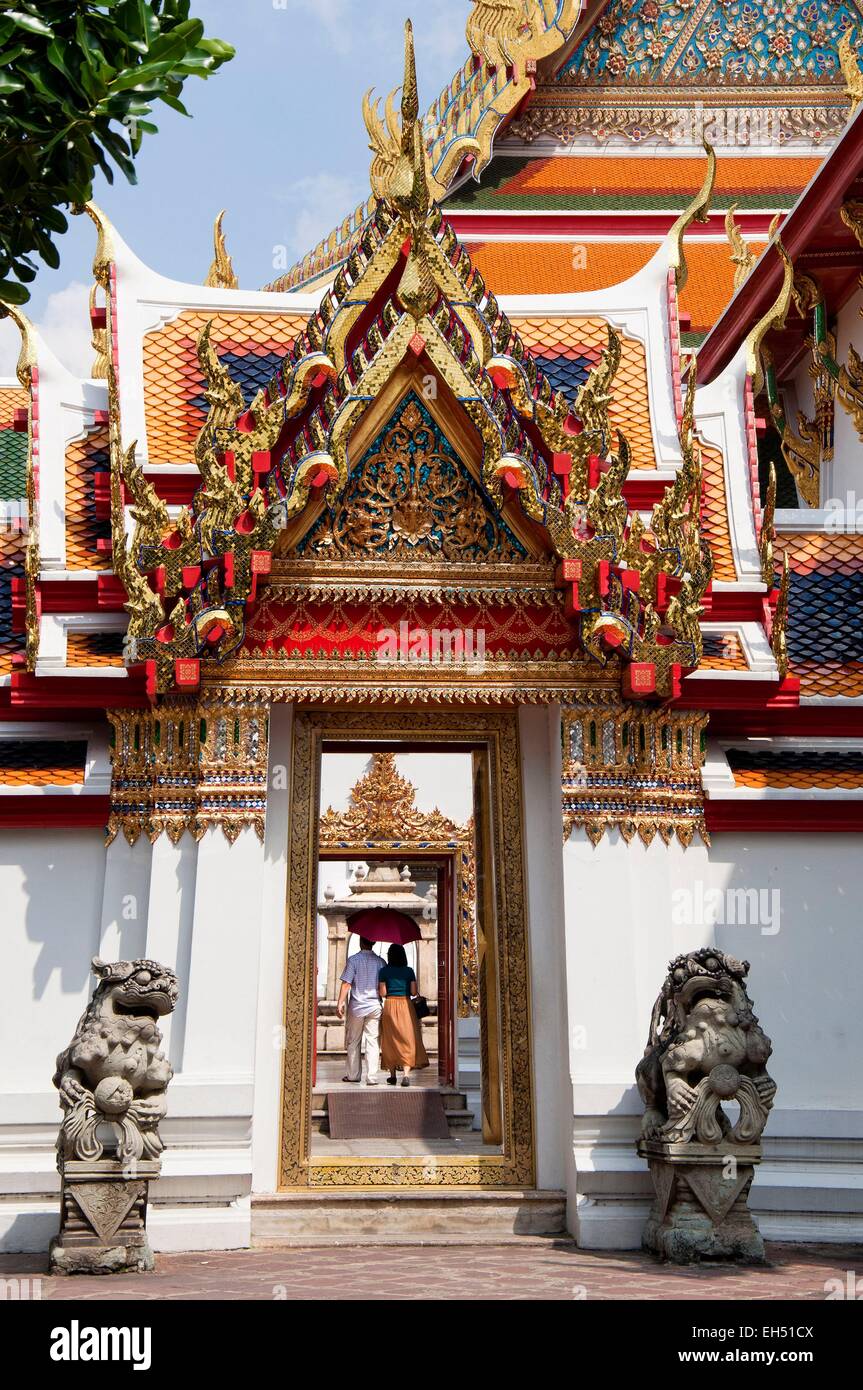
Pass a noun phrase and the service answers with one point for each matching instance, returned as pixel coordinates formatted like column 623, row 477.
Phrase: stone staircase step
column 411, row 1217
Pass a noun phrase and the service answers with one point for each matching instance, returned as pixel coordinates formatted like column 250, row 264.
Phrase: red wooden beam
column 740, row 696
column 798, row 816
column 76, row 693
column 54, row 812
column 806, row 721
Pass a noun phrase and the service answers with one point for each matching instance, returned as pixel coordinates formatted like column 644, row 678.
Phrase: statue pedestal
column 700, row 1209
column 103, row 1217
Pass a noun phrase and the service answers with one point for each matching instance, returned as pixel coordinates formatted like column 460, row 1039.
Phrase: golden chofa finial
column 698, row 211
column 399, row 170
column 221, row 275
column 27, row 357
column 850, row 67
column 104, row 255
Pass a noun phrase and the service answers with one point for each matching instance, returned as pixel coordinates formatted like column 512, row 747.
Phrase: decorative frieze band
column 634, row 767
column 188, row 766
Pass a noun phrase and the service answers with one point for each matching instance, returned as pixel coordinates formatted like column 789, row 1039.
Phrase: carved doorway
column 478, row 954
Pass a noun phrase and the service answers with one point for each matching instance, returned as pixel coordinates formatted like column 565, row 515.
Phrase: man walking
column 360, row 982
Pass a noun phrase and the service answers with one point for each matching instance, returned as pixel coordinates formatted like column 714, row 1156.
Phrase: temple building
column 503, row 560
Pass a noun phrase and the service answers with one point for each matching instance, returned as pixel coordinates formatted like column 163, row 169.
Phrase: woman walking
column 401, row 1039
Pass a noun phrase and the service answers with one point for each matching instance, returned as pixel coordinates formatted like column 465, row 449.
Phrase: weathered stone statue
column 705, row 1048
column 112, row 1080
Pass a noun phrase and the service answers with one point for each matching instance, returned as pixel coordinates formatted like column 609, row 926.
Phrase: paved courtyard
column 525, row 1270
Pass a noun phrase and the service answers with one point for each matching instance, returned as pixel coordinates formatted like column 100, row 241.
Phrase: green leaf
column 13, row 293
column 9, row 83
column 31, row 23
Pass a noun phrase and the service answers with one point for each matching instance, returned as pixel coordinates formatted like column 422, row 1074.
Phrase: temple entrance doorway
column 421, row 814
column 401, row 835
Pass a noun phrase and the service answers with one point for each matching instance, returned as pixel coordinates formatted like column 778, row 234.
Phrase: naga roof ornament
column 410, row 298
column 697, row 211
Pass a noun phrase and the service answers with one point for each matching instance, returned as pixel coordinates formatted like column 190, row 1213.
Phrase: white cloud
column 10, row 343
column 64, row 325
column 333, row 15
column 317, row 204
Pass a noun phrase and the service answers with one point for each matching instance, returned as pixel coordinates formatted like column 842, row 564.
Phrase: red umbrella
column 384, row 924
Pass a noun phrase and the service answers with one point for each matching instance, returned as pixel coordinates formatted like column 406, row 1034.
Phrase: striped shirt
column 361, row 973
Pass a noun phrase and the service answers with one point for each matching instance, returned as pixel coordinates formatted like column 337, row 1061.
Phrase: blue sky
column 276, row 138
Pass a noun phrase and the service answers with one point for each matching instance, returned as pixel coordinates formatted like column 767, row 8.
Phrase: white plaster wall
column 51, row 892
column 626, row 917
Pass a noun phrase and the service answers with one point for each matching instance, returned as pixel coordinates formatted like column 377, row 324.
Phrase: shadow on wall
column 54, row 882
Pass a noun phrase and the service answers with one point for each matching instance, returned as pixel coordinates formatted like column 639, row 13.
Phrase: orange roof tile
column 714, row 513
column 723, row 651
column 586, row 337
column 648, row 174
column 84, row 458
column 801, row 778
column 42, row 762
column 12, row 398
column 568, row 267
column 94, row 649
column 174, row 406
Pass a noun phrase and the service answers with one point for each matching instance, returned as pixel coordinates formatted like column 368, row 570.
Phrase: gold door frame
column 496, row 736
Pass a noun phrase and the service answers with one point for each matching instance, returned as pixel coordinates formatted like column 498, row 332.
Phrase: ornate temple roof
column 219, row 477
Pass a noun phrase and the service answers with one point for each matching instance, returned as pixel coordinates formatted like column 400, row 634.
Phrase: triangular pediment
column 412, row 497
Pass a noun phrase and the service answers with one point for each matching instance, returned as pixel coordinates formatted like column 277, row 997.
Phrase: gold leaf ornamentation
column 221, row 275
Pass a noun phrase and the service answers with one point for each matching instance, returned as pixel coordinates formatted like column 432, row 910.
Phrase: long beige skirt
column 401, row 1038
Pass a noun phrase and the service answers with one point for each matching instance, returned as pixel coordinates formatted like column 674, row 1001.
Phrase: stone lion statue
column 704, row 1047
column 112, row 1078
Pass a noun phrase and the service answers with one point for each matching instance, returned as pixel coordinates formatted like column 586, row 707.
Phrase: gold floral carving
column 637, row 116
column 496, row 737
column 383, row 816
column 849, row 63
column 410, row 500
column 98, row 342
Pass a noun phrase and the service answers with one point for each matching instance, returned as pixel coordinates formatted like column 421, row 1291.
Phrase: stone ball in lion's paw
column 113, row 1095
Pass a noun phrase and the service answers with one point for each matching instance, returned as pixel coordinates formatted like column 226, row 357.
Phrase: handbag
column 420, row 1004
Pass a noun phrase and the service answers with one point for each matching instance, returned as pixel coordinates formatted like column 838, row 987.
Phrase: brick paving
column 549, row 1269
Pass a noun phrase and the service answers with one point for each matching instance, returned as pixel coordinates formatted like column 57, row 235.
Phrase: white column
column 125, row 899
column 539, row 733
column 223, row 969
column 169, row 927
column 269, row 1054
